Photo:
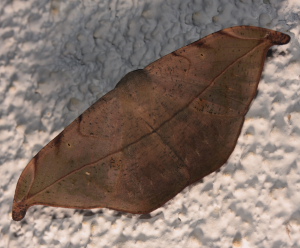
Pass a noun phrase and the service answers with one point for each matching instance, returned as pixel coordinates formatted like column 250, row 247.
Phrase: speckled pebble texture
column 57, row 57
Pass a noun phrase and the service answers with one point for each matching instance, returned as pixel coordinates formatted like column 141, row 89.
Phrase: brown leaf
column 161, row 129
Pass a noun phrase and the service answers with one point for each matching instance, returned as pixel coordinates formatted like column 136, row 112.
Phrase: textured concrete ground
column 57, row 57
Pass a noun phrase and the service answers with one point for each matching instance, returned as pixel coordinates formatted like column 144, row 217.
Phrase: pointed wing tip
column 278, row 38
column 18, row 211
column 275, row 37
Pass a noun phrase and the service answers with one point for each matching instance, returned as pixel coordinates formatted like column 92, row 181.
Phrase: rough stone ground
column 57, row 57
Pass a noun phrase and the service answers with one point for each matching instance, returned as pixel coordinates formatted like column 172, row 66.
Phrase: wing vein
column 154, row 130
